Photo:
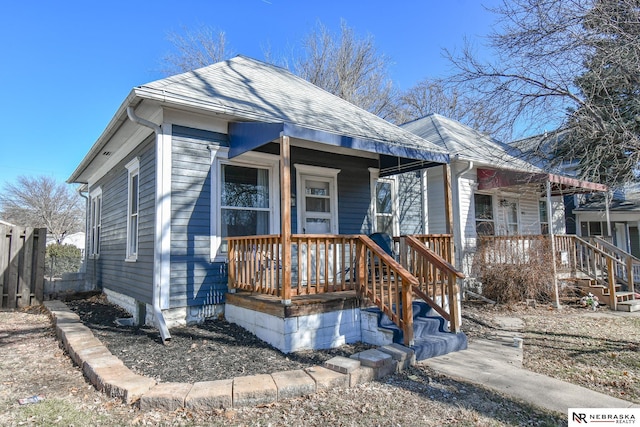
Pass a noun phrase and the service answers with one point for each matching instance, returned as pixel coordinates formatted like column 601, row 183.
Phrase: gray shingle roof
column 253, row 90
column 468, row 144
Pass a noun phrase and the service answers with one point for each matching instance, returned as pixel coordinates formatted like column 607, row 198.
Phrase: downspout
column 457, row 222
column 86, row 228
column 157, row 253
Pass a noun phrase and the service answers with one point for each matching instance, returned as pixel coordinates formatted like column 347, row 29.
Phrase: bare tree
column 349, row 67
column 435, row 96
column 543, row 49
column 195, row 49
column 43, row 202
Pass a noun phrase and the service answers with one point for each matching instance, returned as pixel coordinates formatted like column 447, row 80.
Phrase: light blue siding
column 195, row 281
column 110, row 270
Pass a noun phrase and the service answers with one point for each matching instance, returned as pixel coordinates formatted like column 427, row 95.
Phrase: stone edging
column 108, row 374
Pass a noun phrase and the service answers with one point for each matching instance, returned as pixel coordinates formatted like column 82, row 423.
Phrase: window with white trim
column 544, row 217
column 485, row 224
column 133, row 208
column 95, row 218
column 245, row 197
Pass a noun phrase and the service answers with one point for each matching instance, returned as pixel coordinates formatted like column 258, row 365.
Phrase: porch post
column 448, row 210
column 448, row 203
column 607, row 216
column 553, row 246
column 285, row 208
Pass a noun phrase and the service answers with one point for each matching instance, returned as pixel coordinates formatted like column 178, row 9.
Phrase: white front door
column 317, row 215
column 317, row 195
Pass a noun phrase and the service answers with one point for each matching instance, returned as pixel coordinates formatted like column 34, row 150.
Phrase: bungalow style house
column 240, row 188
column 501, row 198
column 496, row 191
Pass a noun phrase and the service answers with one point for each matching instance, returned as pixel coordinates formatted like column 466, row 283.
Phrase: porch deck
column 301, row 305
column 319, row 274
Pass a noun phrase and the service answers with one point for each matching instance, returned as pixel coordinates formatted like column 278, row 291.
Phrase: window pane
column 485, row 228
column 245, row 187
column 244, row 222
column 134, row 194
column 317, row 226
column 317, row 188
column 133, row 237
column 543, row 211
column 314, row 204
column 383, row 197
column 384, row 224
column 484, row 206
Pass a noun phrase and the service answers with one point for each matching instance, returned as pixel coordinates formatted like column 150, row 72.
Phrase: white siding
column 436, row 222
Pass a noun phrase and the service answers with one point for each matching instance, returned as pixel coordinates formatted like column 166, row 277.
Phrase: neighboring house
column 191, row 163
column 586, row 214
column 619, row 223
column 496, row 190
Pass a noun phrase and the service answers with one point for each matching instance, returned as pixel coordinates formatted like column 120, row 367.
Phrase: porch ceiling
column 560, row 185
column 394, row 157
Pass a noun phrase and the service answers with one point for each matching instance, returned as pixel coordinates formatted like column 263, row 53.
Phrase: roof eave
column 116, row 121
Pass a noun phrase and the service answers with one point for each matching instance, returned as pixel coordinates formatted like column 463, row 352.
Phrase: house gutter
column 158, row 253
column 456, row 224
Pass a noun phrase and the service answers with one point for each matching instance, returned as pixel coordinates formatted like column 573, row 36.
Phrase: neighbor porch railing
column 572, row 254
column 627, row 261
column 332, row 263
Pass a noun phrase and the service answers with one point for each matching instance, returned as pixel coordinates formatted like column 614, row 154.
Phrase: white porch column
column 553, row 246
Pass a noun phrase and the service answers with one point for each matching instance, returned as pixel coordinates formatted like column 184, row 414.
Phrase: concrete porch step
column 630, row 306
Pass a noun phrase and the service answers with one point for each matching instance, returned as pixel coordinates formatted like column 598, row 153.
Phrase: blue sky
column 68, row 65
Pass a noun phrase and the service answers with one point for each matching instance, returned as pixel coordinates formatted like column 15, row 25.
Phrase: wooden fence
column 22, row 252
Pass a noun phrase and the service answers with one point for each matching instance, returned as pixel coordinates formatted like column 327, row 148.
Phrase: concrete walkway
column 496, row 363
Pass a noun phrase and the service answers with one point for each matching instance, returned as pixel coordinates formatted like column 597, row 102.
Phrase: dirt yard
column 597, row 351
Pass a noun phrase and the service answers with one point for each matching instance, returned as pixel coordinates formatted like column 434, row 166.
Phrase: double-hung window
column 245, row 198
column 133, row 208
column 485, row 224
column 95, row 218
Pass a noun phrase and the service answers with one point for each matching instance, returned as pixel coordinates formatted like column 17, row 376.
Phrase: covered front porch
column 306, row 289
column 330, row 279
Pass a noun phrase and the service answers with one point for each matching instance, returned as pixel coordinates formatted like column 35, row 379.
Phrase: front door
column 317, row 215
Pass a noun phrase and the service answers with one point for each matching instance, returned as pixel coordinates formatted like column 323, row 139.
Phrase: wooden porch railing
column 255, row 264
column 332, row 263
column 320, row 263
column 437, row 278
column 387, row 284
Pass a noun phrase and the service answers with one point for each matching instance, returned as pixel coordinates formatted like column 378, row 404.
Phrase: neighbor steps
column 625, row 301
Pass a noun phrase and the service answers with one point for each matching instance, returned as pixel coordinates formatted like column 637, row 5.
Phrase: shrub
column 514, row 269
column 62, row 259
